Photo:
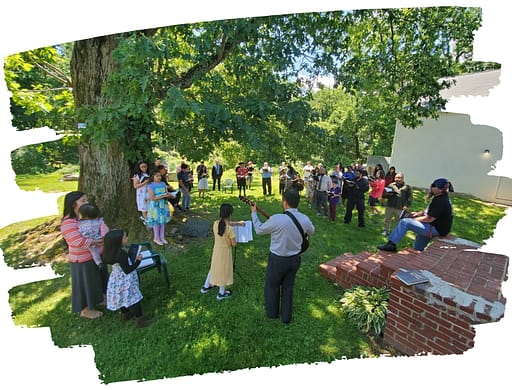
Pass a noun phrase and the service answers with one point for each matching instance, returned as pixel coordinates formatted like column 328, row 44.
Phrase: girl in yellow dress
column 221, row 268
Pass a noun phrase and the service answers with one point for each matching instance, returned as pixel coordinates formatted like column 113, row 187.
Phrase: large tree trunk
column 104, row 172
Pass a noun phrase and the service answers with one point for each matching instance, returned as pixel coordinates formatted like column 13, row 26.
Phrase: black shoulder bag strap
column 305, row 242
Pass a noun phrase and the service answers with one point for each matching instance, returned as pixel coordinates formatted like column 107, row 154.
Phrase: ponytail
column 225, row 212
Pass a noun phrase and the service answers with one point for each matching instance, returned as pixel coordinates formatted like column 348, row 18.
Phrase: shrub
column 366, row 307
column 29, row 160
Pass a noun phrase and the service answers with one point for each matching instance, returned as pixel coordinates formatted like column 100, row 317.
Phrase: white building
column 453, row 147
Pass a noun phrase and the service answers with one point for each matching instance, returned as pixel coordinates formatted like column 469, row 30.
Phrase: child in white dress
column 140, row 183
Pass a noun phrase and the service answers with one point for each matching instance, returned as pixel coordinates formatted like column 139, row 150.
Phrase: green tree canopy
column 200, row 86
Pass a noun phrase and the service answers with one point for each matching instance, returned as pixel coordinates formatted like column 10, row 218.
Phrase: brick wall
column 416, row 324
column 435, row 317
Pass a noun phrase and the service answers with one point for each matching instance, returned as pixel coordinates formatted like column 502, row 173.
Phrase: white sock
column 207, row 281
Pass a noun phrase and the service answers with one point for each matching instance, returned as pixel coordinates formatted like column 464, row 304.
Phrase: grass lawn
column 193, row 333
column 50, row 182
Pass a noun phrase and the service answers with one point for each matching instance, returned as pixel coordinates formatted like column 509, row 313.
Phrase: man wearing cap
column 435, row 220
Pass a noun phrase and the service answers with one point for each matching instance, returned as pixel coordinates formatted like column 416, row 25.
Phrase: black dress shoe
column 389, row 247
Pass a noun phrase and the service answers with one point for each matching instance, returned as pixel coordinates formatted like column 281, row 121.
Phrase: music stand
column 243, row 235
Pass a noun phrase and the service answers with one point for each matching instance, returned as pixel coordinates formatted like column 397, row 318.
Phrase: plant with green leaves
column 195, row 86
column 366, row 307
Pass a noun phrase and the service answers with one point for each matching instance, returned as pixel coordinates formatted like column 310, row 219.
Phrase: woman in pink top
column 377, row 188
column 86, row 281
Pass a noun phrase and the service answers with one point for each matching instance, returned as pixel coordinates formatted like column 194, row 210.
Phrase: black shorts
column 373, row 201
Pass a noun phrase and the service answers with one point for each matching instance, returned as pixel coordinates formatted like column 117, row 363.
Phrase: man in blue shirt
column 284, row 258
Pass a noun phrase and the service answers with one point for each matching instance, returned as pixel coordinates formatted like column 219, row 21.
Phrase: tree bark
column 105, row 175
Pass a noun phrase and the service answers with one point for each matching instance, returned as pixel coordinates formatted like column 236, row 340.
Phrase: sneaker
column 164, row 241
column 384, row 233
column 388, row 247
column 158, row 242
column 226, row 294
column 204, row 289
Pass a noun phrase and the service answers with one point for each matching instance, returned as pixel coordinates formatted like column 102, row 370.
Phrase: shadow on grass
column 193, row 333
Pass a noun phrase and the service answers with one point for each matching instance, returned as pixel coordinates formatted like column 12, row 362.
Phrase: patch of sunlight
column 329, row 348
column 319, row 310
column 207, row 343
column 333, row 309
column 188, row 313
column 32, row 316
column 316, row 312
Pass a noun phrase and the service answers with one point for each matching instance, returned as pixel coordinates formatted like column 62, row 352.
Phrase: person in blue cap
column 435, row 220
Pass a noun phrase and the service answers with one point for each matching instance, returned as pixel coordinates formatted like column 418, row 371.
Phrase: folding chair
column 227, row 185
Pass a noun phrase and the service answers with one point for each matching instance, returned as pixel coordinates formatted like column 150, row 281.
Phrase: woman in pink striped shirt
column 86, row 282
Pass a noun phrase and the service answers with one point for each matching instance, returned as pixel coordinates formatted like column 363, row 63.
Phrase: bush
column 29, row 160
column 366, row 307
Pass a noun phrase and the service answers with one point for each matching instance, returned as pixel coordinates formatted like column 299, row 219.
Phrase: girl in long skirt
column 221, row 268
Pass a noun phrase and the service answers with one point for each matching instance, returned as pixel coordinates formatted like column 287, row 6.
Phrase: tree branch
column 55, row 73
column 187, row 79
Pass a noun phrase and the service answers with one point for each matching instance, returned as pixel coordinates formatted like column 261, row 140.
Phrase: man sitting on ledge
column 435, row 220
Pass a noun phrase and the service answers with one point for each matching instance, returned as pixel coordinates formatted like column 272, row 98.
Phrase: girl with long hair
column 86, row 279
column 221, row 268
column 123, row 284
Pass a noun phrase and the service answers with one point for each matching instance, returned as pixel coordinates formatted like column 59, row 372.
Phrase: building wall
column 452, row 147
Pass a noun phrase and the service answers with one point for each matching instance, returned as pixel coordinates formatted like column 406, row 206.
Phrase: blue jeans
column 185, row 200
column 424, row 232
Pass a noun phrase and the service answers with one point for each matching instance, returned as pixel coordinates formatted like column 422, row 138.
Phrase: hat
column 441, row 183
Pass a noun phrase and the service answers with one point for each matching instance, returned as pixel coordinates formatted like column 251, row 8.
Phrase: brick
column 441, row 323
column 411, row 306
column 468, row 309
column 484, row 317
column 401, row 295
column 407, row 346
column 429, row 323
column 449, row 301
column 427, row 331
column 393, row 310
column 432, row 309
column 459, row 347
column 442, row 349
column 438, row 349
column 461, row 323
column 403, row 326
